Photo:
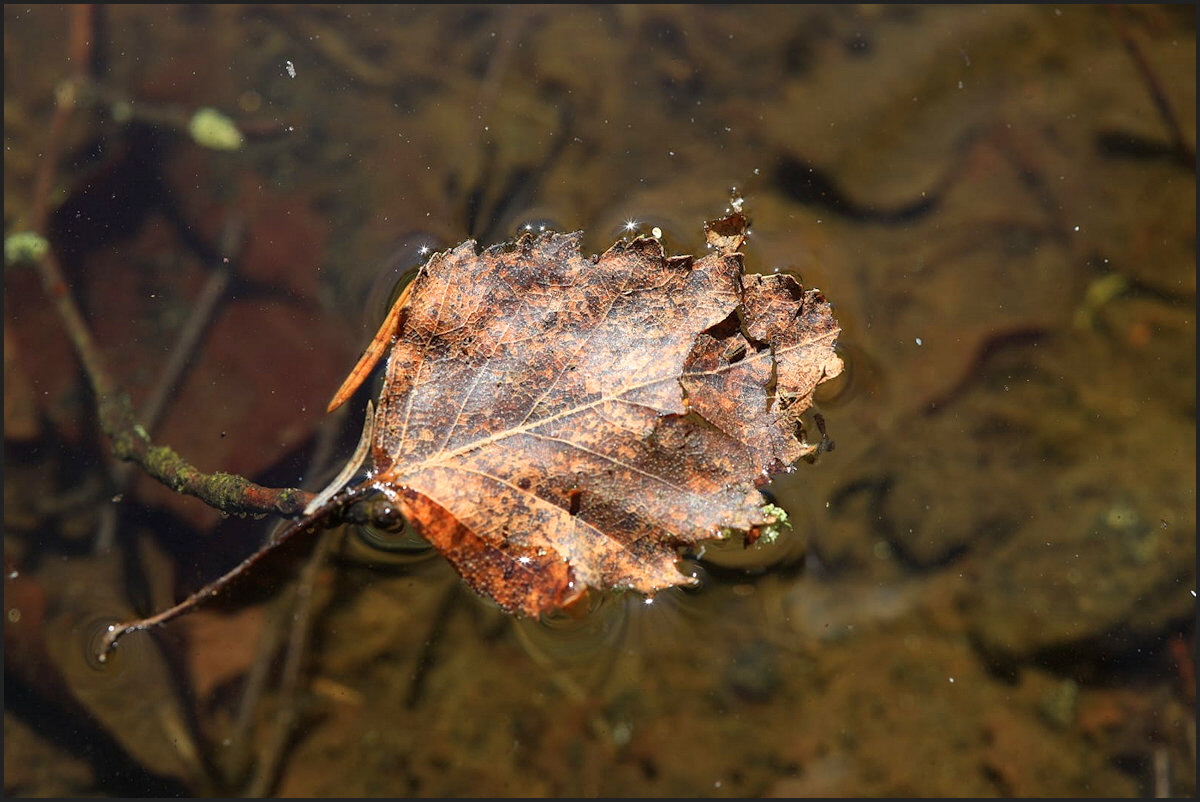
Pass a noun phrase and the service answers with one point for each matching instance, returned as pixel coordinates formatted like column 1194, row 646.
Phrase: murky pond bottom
column 989, row 587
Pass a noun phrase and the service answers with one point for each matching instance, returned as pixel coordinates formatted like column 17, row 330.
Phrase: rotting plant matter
column 553, row 423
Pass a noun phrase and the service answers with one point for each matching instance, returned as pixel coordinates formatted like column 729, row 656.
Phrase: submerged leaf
column 552, row 423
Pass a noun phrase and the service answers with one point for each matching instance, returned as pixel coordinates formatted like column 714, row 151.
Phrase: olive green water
column 990, row 585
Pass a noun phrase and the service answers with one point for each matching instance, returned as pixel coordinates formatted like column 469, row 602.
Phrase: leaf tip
column 727, row 234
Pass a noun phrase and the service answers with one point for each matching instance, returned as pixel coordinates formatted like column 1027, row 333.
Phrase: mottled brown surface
column 553, row 423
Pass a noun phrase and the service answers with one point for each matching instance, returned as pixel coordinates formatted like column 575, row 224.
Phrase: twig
column 130, row 441
column 229, row 493
column 79, row 52
column 197, row 323
column 237, row 756
column 428, row 654
column 319, row 517
column 256, row 680
column 286, row 715
column 1185, row 151
column 185, row 346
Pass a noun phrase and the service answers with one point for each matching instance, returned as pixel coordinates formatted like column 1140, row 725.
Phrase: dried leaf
column 552, row 423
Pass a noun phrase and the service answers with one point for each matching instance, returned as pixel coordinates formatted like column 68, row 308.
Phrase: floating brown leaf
column 551, row 422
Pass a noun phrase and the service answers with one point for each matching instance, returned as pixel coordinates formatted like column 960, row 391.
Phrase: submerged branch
column 228, row 493
column 130, row 440
column 309, row 523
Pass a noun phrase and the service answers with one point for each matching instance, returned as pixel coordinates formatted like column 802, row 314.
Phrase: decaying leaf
column 551, row 422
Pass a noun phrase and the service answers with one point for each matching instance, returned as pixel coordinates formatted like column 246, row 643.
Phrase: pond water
column 989, row 587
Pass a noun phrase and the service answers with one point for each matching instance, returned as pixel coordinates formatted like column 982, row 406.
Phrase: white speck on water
column 919, row 341
column 291, row 69
column 952, row 680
